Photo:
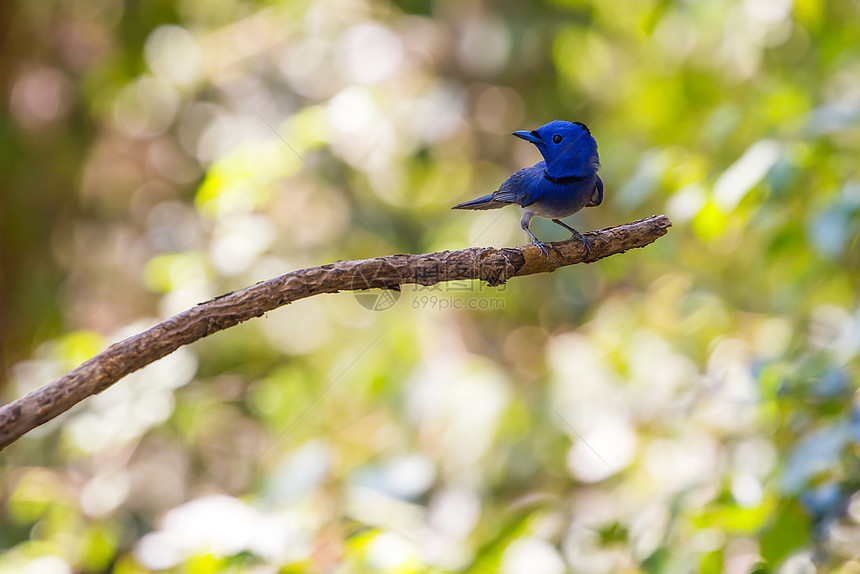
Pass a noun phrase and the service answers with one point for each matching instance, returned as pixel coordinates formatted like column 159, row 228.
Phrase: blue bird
column 562, row 184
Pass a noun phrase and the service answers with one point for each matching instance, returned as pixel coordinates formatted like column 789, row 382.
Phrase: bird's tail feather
column 486, row 202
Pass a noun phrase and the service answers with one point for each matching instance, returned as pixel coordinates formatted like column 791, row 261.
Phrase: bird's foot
column 575, row 233
column 584, row 242
column 542, row 247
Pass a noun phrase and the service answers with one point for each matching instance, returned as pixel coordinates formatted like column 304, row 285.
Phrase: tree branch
column 495, row 266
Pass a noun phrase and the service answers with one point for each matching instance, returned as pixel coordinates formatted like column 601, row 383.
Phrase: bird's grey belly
column 557, row 209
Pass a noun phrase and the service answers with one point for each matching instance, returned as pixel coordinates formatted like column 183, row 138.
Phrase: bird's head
column 567, row 147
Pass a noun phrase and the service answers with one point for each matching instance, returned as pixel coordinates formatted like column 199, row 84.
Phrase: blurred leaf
column 788, row 531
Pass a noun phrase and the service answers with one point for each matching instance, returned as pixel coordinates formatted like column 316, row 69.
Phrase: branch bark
column 495, row 266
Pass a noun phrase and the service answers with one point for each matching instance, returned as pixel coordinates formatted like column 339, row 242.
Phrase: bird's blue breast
column 545, row 196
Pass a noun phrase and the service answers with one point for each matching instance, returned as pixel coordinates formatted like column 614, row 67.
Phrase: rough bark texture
column 495, row 266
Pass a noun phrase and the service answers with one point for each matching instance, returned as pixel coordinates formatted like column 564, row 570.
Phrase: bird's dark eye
column 556, row 139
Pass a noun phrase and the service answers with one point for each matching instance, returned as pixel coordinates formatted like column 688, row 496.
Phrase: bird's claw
column 587, row 245
column 581, row 237
column 578, row 235
column 542, row 247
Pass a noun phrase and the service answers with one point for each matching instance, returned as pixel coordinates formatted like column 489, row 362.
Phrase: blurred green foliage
column 691, row 406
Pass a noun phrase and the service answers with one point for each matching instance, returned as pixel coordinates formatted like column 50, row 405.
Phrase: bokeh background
column 687, row 407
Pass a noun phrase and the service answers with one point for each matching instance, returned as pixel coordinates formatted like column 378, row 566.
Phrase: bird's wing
column 597, row 194
column 521, row 187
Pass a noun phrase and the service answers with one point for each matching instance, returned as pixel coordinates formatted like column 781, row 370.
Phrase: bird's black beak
column 531, row 136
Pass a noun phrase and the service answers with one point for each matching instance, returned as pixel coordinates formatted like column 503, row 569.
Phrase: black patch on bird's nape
column 563, row 180
column 585, row 127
